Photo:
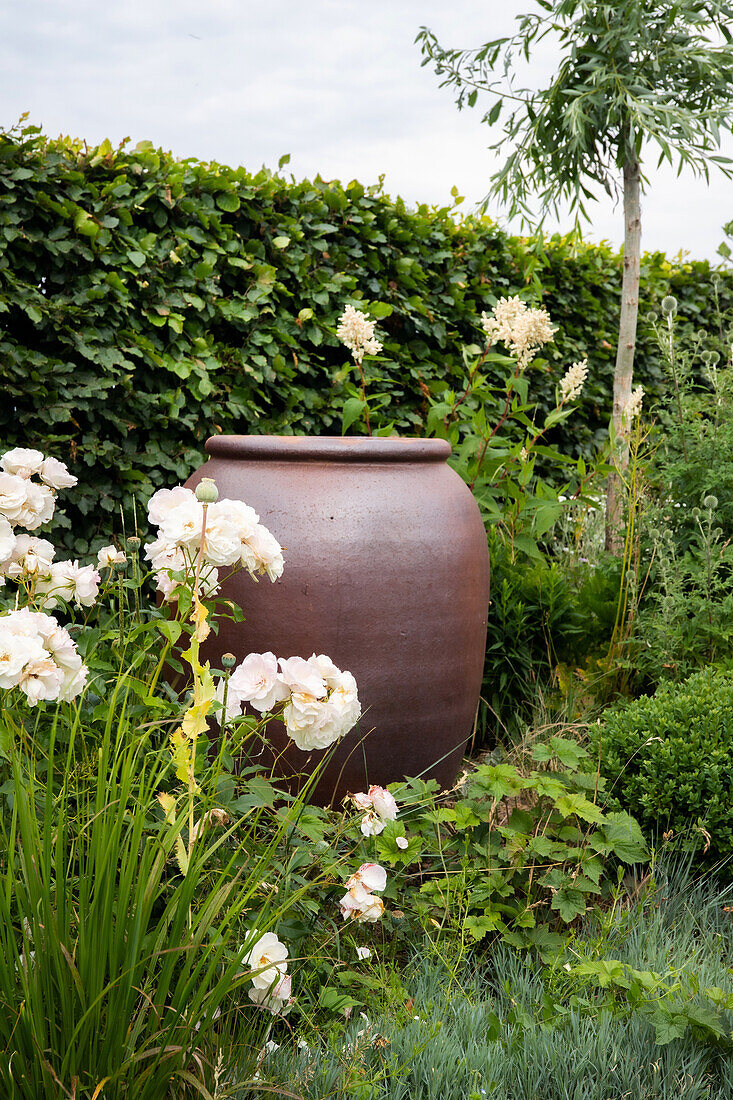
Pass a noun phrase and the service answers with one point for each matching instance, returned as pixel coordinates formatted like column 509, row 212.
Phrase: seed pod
column 206, row 491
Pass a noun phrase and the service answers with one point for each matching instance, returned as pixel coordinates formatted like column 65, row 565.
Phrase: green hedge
column 147, row 303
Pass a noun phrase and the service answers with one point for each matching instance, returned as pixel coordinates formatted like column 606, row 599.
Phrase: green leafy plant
column 515, row 855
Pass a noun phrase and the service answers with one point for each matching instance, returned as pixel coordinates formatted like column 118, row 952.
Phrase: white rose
column 183, row 523
column 268, row 961
column 256, row 681
column 262, row 553
column 310, row 722
column 110, row 556
column 23, row 461
column 56, row 474
column 162, row 502
column 234, row 702
column 165, row 555
column 13, row 496
column 244, row 518
column 326, row 669
column 59, row 644
column 300, row 676
column 39, row 506
column 18, row 647
column 223, row 545
column 41, row 680
column 7, row 541
column 371, row 824
column 73, row 684
column 345, row 703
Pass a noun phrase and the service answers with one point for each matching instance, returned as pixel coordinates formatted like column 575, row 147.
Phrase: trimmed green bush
column 668, row 759
column 147, row 303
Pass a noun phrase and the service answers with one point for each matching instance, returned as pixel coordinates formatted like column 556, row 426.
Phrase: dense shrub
column 668, row 759
column 543, row 614
column 148, row 302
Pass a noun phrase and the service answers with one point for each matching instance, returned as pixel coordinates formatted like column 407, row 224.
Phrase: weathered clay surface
column 386, row 571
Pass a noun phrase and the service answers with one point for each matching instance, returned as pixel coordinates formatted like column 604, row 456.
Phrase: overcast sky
column 337, row 84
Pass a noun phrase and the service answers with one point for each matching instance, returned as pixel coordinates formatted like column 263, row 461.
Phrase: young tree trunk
column 624, row 371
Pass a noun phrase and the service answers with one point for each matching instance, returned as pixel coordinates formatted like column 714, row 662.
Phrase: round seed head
column 206, row 491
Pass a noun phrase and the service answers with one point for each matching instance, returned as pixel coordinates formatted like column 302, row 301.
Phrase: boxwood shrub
column 668, row 759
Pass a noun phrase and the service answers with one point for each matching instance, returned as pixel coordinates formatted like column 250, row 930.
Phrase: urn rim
column 327, row 448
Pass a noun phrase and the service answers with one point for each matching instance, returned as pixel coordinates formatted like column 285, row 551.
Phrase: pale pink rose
column 23, row 461
column 164, row 501
column 358, row 904
column 277, row 1000
column 262, row 553
column 300, row 676
column 59, row 644
column 167, row 587
column 383, row 803
column 13, row 496
column 109, row 556
column 208, row 582
column 371, row 875
column 19, row 646
column 30, row 556
column 41, row 680
column 38, row 507
column 56, row 474
column 256, row 681
column 362, row 801
column 267, row 960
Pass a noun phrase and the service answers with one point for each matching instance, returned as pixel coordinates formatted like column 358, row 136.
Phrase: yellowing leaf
column 182, row 752
column 199, row 617
column 168, row 803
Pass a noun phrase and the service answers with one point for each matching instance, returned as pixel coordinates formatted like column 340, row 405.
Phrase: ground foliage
column 147, row 303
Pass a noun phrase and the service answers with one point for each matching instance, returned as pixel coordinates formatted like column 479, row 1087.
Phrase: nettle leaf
column 577, row 804
column 623, row 836
column 569, row 903
column 478, row 927
column 499, row 781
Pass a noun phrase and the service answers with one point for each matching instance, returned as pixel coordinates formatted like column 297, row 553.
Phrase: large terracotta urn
column 386, row 572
